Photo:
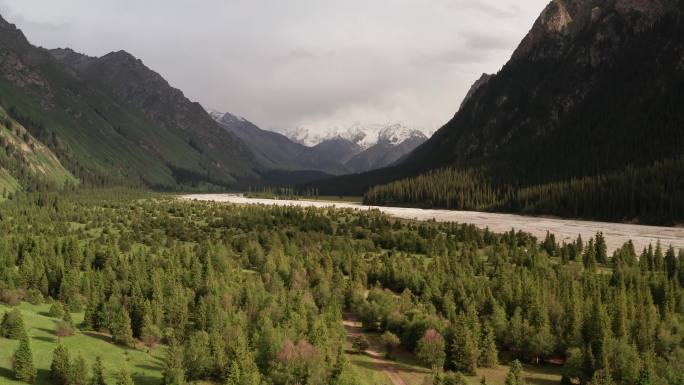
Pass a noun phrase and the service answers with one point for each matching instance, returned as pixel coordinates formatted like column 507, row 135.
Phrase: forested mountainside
column 112, row 120
column 594, row 89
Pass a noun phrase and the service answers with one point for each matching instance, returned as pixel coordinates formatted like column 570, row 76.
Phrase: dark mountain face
column 337, row 149
column 111, row 120
column 595, row 86
column 277, row 152
column 383, row 154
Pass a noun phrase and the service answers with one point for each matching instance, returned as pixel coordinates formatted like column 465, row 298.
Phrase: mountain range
column 111, row 120
column 594, row 90
column 356, row 149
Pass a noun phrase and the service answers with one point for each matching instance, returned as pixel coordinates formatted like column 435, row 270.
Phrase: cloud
column 284, row 64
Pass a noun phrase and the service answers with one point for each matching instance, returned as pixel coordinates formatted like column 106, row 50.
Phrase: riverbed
column 567, row 230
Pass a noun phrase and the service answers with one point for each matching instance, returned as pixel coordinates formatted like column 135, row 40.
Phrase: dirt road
column 616, row 234
column 388, row 367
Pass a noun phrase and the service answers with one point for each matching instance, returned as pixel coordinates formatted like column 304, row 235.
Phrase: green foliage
column 391, row 342
column 124, row 378
column 61, row 365
column 431, row 349
column 78, row 372
column 12, row 325
column 56, row 310
column 98, row 377
column 650, row 194
column 515, row 374
column 22, row 362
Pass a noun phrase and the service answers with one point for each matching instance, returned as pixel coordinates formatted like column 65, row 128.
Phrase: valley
column 565, row 230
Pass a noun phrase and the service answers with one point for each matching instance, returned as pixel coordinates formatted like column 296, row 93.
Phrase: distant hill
column 594, row 89
column 275, row 151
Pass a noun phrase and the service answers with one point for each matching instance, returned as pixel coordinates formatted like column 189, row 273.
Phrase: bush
column 56, row 310
column 360, row 343
column 63, row 329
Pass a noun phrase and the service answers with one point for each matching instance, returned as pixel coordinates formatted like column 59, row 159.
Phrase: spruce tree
column 61, row 364
column 121, row 328
column 78, row 372
column 174, row 371
column 22, row 362
column 98, row 373
column 124, row 378
column 12, row 325
column 489, row 355
column 464, row 349
column 515, row 374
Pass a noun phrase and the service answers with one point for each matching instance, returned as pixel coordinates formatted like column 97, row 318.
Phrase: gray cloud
column 282, row 64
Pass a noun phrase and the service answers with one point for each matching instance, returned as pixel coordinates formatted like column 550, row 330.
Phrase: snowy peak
column 365, row 136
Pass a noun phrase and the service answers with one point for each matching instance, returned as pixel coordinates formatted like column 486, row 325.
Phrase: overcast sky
column 290, row 63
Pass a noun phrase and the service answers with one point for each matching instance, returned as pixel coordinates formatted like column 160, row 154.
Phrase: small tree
column 489, row 355
column 78, row 372
column 22, row 362
column 515, row 374
column 121, row 328
column 124, row 378
column 63, row 329
column 98, row 373
column 12, row 325
column 430, row 349
column 61, row 363
column 56, row 310
column 360, row 343
column 391, row 342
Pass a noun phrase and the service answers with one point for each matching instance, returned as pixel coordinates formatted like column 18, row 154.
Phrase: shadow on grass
column 141, row 379
column 43, row 375
column 45, row 339
column 373, row 365
column 99, row 336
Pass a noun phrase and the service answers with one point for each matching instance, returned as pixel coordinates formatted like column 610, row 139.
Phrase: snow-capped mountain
column 365, row 136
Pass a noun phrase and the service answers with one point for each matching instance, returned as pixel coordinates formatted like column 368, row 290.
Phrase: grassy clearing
column 145, row 365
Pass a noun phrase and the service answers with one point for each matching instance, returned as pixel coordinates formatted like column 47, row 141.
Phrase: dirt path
column 353, row 328
column 616, row 234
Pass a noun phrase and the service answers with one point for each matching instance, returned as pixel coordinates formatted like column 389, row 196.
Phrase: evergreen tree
column 61, row 364
column 430, row 349
column 515, row 374
column 124, row 378
column 98, row 373
column 121, row 328
column 174, row 371
column 78, row 372
column 12, row 325
column 22, row 362
column 489, row 355
column 464, row 348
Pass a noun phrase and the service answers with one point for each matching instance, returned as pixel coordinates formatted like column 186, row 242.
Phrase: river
column 616, row 234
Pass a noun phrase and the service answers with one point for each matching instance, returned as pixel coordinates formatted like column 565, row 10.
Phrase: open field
column 145, row 367
column 616, row 234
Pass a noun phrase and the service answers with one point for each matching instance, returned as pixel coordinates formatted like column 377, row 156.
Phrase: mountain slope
column 387, row 151
column 594, row 88
column 275, row 151
column 114, row 121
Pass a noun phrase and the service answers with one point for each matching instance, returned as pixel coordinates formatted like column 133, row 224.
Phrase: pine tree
column 515, row 374
column 174, row 372
column 12, row 325
column 121, row 328
column 464, row 349
column 233, row 377
column 489, row 355
column 78, row 372
column 22, row 362
column 98, row 373
column 124, row 378
column 61, row 364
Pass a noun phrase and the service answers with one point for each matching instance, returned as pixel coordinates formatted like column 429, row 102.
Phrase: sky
column 283, row 64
